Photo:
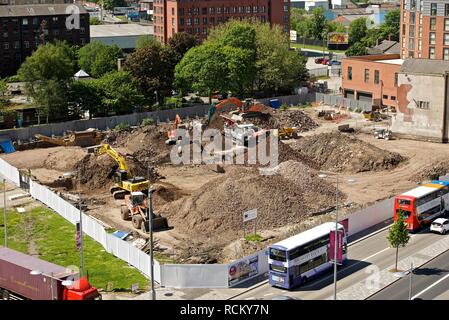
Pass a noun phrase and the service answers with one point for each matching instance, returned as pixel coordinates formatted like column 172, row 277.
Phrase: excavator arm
column 106, row 148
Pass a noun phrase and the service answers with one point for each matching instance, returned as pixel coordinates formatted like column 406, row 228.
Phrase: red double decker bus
column 423, row 204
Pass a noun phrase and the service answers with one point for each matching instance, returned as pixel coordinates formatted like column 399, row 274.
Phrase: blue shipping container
column 275, row 103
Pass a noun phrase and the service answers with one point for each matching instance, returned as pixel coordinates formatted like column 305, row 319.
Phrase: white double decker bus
column 297, row 259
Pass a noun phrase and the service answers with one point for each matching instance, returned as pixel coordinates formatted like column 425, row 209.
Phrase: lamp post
column 150, row 230
column 4, row 213
column 336, row 228
column 68, row 175
column 402, row 274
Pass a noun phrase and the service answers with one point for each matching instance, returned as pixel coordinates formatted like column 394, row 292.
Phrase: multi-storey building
column 197, row 17
column 23, row 28
column 425, row 29
column 31, row 2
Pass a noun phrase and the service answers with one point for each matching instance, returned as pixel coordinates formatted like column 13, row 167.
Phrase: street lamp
column 322, row 175
column 70, row 175
column 402, row 274
column 150, row 229
column 4, row 213
column 37, row 273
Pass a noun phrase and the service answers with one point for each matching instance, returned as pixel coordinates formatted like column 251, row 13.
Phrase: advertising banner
column 337, row 38
column 243, row 270
column 339, row 246
column 345, row 224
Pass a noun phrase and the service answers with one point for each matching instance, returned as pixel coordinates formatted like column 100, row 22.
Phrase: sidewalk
column 364, row 289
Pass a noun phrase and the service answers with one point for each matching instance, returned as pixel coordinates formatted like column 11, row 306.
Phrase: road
column 364, row 256
column 429, row 282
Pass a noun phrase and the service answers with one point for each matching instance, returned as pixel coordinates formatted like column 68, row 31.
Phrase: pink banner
column 339, row 245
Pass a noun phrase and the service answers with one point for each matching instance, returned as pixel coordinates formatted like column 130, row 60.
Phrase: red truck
column 26, row 277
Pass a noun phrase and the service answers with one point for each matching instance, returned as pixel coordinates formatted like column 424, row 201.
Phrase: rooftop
column 117, row 30
column 37, row 10
column 392, row 61
column 425, row 66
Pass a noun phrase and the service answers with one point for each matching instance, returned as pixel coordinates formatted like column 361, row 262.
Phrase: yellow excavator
column 125, row 182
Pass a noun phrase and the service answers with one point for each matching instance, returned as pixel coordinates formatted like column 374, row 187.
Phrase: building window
column 433, row 9
column 432, row 38
column 181, row 11
column 196, row 11
column 25, row 21
column 446, row 39
column 411, row 54
column 423, row 105
column 241, row 9
column 212, row 21
column 248, row 9
column 225, row 10
column 431, row 53
column 349, row 73
column 366, row 75
column 234, row 9
column 56, row 32
column 6, row 45
column 385, row 96
column 403, row 42
column 220, row 19
column 446, row 54
column 262, row 9
column 446, row 24
column 82, row 30
column 173, row 11
column 433, row 23
column 419, row 44
column 376, row 76
column 35, row 21
column 55, row 19
column 420, row 32
column 204, row 31
column 181, row 21
column 420, row 18
column 16, row 45
column 203, row 10
column 219, row 10
column 412, row 32
column 204, row 20
column 446, row 10
column 255, row 9
column 411, row 45
column 212, row 10
column 396, row 78
column 393, row 98
column 412, row 18
column 5, row 34
column 196, row 21
column 403, row 29
column 189, row 21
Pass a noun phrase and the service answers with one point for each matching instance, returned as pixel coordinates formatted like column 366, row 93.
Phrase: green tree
column 179, row 44
column 86, row 95
column 398, row 235
column 3, row 87
column 357, row 49
column 94, row 21
column 97, row 58
column 48, row 73
column 357, row 30
column 151, row 70
column 390, row 27
column 110, row 4
column 318, row 23
column 143, row 41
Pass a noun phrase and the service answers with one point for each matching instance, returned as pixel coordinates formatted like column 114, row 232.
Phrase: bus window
column 278, row 268
column 404, row 202
column 278, row 255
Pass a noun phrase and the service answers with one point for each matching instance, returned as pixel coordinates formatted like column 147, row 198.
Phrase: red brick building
column 197, row 17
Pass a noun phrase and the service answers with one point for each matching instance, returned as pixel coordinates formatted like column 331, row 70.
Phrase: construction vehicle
column 382, row 134
column 125, row 182
column 84, row 138
column 172, row 134
column 288, row 133
column 24, row 277
column 246, row 109
column 135, row 209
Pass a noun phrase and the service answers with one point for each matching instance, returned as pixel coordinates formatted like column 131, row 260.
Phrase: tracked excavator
column 125, row 182
column 135, row 208
column 246, row 109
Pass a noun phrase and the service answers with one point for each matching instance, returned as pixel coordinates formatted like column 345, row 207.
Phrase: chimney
column 120, row 62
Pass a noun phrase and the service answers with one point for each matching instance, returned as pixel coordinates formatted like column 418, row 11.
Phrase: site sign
column 293, row 35
column 337, row 38
column 249, row 215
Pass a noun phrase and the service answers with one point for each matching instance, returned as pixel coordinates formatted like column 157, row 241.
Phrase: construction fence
column 338, row 100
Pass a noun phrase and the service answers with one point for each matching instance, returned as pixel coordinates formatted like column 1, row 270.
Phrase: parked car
column 325, row 61
column 334, row 63
column 319, row 60
column 440, row 225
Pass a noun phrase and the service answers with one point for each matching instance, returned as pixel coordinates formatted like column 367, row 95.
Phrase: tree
column 94, row 21
column 318, row 23
column 97, row 58
column 3, row 87
column 179, row 44
column 48, row 73
column 390, row 27
column 357, row 30
column 357, row 49
column 398, row 235
column 85, row 96
column 143, row 41
column 110, row 4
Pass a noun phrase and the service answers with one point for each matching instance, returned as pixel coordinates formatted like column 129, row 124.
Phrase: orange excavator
column 246, row 109
column 172, row 134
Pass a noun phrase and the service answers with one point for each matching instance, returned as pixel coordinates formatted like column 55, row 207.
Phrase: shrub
column 285, row 106
column 147, row 122
column 122, row 126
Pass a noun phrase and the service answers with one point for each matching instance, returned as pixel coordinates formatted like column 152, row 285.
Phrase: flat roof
column 306, row 236
column 391, row 61
column 32, row 10
column 120, row 30
column 419, row 192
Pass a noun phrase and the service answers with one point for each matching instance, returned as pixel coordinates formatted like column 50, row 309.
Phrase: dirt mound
column 432, row 171
column 144, row 142
column 285, row 118
column 344, row 153
column 64, row 159
column 215, row 210
column 97, row 171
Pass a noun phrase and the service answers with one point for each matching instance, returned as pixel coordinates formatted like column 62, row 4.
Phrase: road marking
column 431, row 286
column 345, row 269
column 268, row 294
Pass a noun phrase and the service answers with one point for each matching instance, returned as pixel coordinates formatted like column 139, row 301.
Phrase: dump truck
column 24, row 277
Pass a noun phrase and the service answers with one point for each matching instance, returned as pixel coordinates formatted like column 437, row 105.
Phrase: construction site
column 198, row 208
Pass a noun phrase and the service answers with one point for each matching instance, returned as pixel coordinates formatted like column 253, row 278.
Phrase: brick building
column 425, row 29
column 31, row 2
column 197, row 17
column 23, row 28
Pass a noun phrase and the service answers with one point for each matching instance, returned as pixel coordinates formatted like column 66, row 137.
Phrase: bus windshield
column 279, row 255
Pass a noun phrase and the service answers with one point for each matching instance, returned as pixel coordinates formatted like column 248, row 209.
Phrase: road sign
column 249, row 215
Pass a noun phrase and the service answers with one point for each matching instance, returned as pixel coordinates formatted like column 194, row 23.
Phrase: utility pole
column 4, row 213
column 150, row 229
column 81, row 223
column 335, row 242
